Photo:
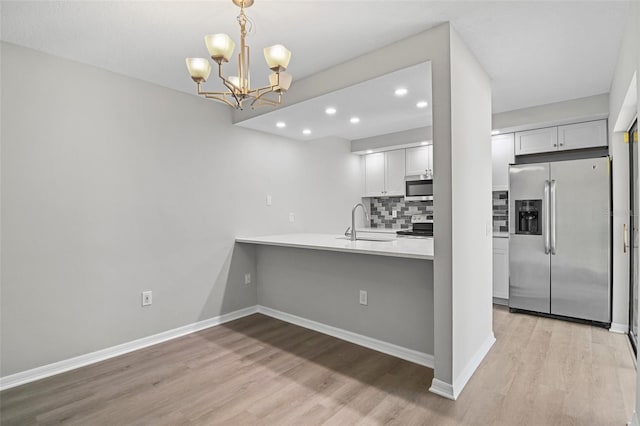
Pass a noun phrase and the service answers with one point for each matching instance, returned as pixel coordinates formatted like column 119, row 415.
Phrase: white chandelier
column 221, row 47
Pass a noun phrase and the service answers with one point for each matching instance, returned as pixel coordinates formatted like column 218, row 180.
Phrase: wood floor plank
column 261, row 371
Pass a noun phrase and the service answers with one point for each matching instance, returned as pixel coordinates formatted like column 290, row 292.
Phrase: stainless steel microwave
column 418, row 188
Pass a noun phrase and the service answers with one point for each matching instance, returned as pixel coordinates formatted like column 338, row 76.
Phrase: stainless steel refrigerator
column 559, row 238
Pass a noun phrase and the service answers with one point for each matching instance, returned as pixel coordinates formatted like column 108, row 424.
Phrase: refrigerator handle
column 552, row 216
column 625, row 238
column 545, row 224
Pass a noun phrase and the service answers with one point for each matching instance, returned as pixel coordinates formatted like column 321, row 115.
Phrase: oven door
column 418, row 188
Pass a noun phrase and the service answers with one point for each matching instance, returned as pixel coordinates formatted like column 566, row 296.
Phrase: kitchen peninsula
column 377, row 294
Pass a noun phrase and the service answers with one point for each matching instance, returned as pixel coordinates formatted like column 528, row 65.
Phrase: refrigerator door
column 529, row 266
column 580, row 286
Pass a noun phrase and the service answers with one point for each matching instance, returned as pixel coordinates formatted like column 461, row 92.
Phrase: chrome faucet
column 353, row 220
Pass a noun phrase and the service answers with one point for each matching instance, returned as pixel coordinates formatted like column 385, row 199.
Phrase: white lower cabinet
column 501, row 268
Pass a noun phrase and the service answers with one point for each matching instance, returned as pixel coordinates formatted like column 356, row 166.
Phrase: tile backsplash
column 381, row 211
column 500, row 211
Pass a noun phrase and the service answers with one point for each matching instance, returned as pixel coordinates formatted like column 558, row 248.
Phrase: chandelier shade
column 239, row 91
column 220, row 46
column 199, row 68
column 277, row 57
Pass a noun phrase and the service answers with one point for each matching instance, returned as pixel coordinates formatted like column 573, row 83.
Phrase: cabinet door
column 417, row 160
column 535, row 141
column 582, row 135
column 394, row 172
column 502, row 155
column 374, row 174
column 501, row 268
column 430, row 160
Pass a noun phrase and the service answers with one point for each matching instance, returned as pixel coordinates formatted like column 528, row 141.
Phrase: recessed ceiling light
column 401, row 91
column 306, row 132
column 281, row 124
column 369, row 151
column 495, row 132
column 422, row 104
column 330, row 111
column 354, row 120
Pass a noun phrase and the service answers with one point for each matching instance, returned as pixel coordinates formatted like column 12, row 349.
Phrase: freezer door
column 580, row 286
column 529, row 266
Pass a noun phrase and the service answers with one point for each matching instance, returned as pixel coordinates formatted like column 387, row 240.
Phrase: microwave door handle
column 546, row 212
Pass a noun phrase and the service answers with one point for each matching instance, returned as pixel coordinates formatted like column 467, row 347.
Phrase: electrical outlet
column 269, row 200
column 147, row 298
column 292, row 217
column 247, row 278
column 394, row 213
column 363, row 297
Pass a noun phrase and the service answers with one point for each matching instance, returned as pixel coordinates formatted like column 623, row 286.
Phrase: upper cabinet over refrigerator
column 590, row 134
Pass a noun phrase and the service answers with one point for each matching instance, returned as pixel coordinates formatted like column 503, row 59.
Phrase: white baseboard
column 634, row 420
column 461, row 381
column 617, row 327
column 38, row 373
column 453, row 391
column 442, row 388
column 411, row 355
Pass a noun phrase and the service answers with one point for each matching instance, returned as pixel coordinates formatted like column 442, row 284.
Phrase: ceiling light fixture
column 401, row 91
column 354, row 120
column 422, row 104
column 330, row 111
column 221, row 47
column 495, row 132
column 306, row 132
column 281, row 124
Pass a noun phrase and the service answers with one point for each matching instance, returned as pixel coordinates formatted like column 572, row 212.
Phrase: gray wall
column 324, row 286
column 112, row 186
column 471, row 210
column 557, row 113
column 411, row 137
column 628, row 64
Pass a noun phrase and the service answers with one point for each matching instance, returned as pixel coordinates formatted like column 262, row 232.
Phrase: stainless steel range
column 420, row 227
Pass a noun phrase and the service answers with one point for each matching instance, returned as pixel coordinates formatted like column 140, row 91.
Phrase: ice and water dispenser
column 529, row 217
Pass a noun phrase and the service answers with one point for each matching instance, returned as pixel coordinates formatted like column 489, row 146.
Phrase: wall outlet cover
column 363, row 297
column 147, row 298
column 247, row 278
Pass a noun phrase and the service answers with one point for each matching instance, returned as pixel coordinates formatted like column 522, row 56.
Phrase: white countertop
column 412, row 248
column 500, row 235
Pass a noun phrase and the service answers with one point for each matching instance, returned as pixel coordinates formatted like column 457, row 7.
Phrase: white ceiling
column 382, row 113
column 535, row 52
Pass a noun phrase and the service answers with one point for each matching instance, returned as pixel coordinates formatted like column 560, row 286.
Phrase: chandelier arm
column 260, row 100
column 230, row 86
column 222, row 98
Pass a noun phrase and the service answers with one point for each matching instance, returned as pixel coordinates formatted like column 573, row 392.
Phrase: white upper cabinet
column 535, row 141
column 384, row 174
column 583, row 135
column 502, row 155
column 591, row 134
column 419, row 160
column 394, row 172
column 374, row 174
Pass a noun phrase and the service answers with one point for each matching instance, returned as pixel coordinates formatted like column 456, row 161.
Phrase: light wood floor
column 258, row 370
